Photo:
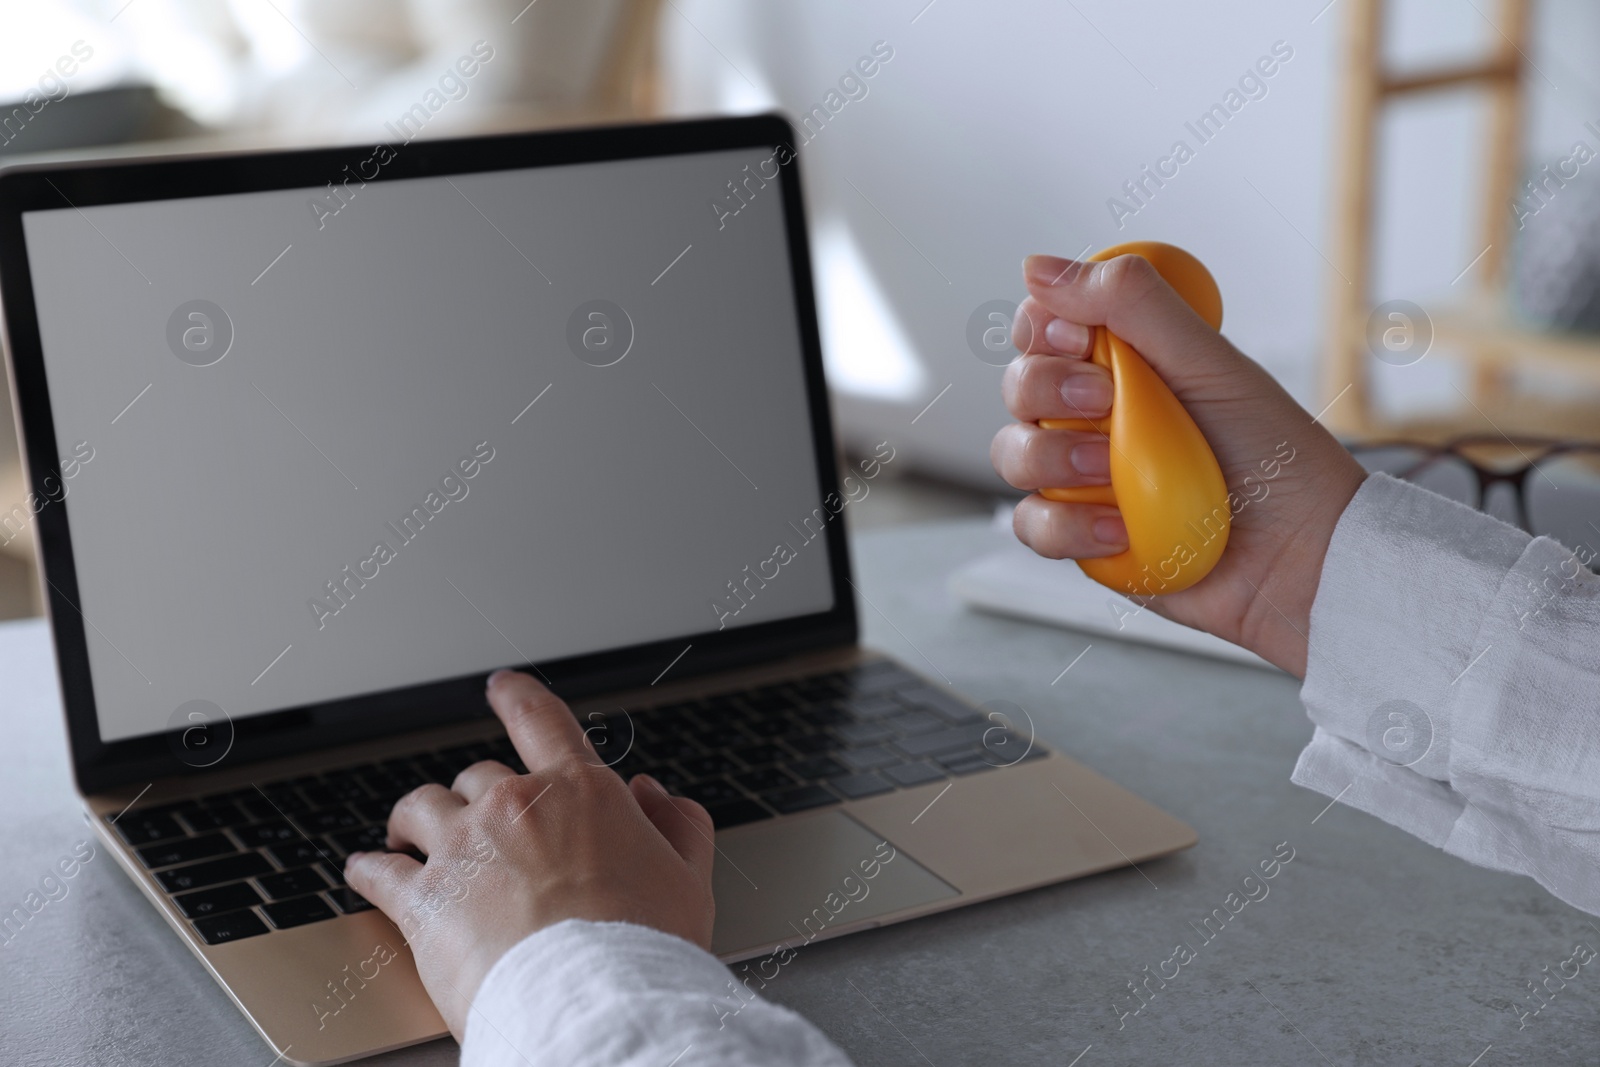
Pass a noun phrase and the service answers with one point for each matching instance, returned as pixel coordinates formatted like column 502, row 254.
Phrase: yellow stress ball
column 1164, row 478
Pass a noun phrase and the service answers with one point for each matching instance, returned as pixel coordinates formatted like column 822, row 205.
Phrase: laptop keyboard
column 245, row 862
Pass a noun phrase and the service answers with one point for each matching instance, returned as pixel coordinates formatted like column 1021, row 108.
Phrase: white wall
column 1002, row 128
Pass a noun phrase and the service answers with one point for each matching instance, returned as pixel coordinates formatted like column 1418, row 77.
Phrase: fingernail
column 1048, row 270
column 1088, row 391
column 495, row 677
column 649, row 780
column 1093, row 459
column 1110, row 530
column 1064, row 336
column 348, row 860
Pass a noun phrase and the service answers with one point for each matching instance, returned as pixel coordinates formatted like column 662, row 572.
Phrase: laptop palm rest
column 808, row 878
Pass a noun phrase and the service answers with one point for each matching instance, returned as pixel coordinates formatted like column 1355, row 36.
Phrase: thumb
column 1128, row 296
column 684, row 823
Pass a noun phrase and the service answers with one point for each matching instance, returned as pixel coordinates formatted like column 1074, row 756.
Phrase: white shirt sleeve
column 1453, row 675
column 581, row 993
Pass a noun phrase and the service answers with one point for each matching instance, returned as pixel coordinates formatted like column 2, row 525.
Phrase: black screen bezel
column 99, row 765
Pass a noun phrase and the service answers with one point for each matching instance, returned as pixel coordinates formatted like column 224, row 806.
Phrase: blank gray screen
column 227, row 530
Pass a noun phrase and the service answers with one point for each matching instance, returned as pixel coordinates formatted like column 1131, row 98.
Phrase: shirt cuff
column 1407, row 582
column 622, row 995
column 1450, row 674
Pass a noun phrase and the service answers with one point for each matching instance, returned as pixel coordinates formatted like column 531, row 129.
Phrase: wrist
column 1288, row 586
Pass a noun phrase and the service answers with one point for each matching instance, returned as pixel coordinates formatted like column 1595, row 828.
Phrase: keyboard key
column 824, row 715
column 231, row 796
column 298, row 912
column 863, row 733
column 345, row 787
column 285, row 799
column 1005, row 749
column 873, row 707
column 792, row 800
column 216, row 817
column 675, row 747
column 710, row 766
column 716, row 709
column 968, row 762
column 319, row 795
column 435, row 770
column 266, row 833
column 950, row 740
column 916, row 721
column 374, row 810
column 223, row 898
column 870, row 758
column 856, row 786
column 760, row 755
column 770, row 728
column 817, row 767
column 949, row 707
column 292, row 883
column 220, row 929
column 348, row 901
column 185, row 850
column 877, row 677
column 714, row 738
column 214, row 872
column 294, row 853
column 768, row 698
column 914, row 774
column 333, row 872
column 366, row 839
column 327, row 820
column 171, row 807
column 258, row 807
column 813, row 744
column 713, row 791
column 736, row 813
column 765, row 780
column 383, row 786
column 142, row 828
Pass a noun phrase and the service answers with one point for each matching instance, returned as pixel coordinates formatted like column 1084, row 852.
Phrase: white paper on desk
column 1015, row 581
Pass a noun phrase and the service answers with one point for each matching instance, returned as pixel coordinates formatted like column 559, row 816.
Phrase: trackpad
column 799, row 880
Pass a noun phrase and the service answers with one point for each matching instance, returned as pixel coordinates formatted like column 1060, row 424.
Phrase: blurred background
column 1400, row 200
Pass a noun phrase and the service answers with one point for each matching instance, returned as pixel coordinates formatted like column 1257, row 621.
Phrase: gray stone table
column 1370, row 947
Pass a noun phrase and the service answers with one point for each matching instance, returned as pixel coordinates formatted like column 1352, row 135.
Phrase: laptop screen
column 328, row 441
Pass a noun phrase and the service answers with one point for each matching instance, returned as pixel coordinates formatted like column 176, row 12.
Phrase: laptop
column 318, row 439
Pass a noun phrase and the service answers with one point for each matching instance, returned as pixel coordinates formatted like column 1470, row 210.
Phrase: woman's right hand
column 1260, row 593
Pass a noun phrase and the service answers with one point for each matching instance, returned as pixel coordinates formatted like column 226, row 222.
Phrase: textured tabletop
column 1368, row 947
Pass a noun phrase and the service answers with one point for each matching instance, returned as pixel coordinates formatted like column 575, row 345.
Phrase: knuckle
column 589, row 786
column 997, row 453
column 1032, row 458
column 1023, row 378
column 1024, row 328
column 1127, row 278
column 1039, row 526
column 388, row 864
column 376, row 869
column 1009, row 453
column 578, row 777
column 415, row 799
column 1012, row 381
column 507, row 798
column 480, row 769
